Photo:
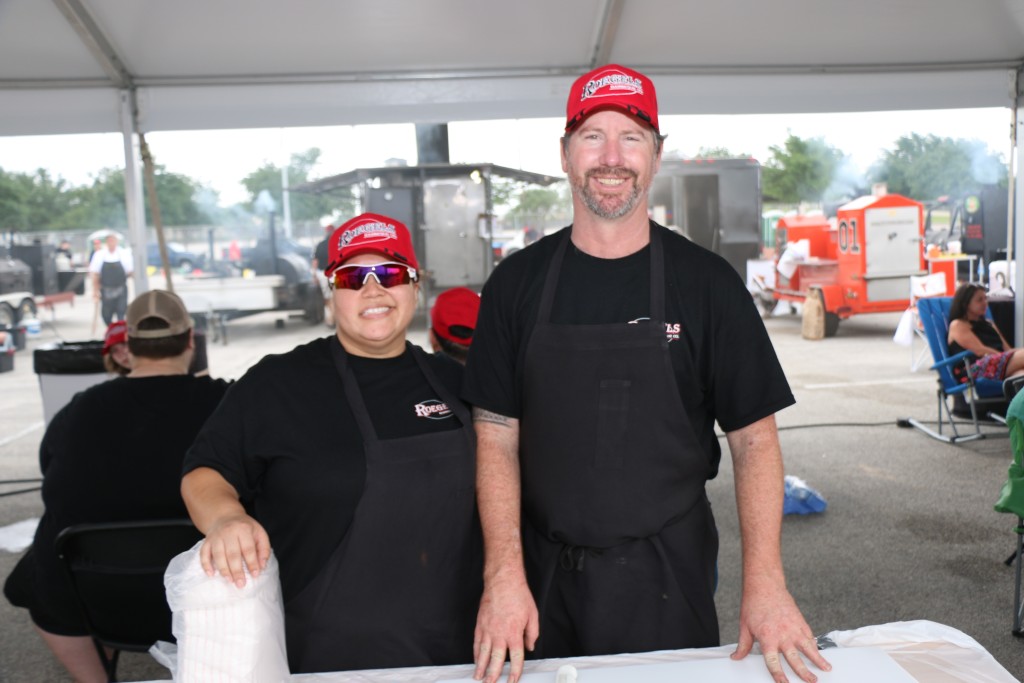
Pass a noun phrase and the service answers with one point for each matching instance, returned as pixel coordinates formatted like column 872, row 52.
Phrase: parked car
column 178, row 257
column 283, row 245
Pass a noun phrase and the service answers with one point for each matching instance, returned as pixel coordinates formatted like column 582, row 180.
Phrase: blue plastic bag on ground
column 800, row 498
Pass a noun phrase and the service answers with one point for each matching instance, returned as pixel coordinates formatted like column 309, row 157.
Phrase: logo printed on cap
column 371, row 232
column 617, row 84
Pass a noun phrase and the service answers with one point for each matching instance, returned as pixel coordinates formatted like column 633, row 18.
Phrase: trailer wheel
column 831, row 319
column 27, row 309
column 7, row 315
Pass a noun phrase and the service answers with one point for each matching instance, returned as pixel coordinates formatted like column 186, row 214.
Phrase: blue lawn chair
column 979, row 394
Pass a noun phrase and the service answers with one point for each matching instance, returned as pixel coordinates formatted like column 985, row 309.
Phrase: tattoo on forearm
column 481, row 415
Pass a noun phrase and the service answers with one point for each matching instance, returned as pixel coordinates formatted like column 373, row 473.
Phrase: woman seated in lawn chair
column 970, row 330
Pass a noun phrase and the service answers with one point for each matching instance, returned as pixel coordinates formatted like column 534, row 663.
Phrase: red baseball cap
column 370, row 233
column 612, row 86
column 117, row 333
column 453, row 316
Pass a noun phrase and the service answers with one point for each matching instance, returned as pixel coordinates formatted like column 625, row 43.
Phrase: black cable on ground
column 4, row 482
column 14, row 493
column 900, row 422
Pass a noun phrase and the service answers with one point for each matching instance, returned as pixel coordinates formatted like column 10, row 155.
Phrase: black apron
column 112, row 279
column 619, row 539
column 403, row 587
column 113, row 291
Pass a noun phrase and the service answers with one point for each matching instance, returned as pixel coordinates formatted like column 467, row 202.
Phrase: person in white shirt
column 110, row 269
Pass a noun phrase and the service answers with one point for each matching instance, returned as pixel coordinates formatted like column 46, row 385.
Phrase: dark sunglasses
column 386, row 274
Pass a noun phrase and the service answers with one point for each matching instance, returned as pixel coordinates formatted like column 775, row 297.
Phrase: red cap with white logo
column 370, row 233
column 454, row 314
column 612, row 86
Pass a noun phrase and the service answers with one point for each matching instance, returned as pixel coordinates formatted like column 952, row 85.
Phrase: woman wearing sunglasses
column 353, row 458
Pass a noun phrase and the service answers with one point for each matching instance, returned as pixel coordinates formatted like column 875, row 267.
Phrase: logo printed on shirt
column 671, row 329
column 433, row 409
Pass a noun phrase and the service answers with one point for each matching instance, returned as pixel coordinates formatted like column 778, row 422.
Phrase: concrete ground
column 909, row 533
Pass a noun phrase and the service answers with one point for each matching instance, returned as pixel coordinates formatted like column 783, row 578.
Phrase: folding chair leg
column 955, row 437
column 109, row 662
column 943, row 408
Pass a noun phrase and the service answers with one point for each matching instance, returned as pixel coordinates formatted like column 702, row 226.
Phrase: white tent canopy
column 86, row 66
column 203, row 64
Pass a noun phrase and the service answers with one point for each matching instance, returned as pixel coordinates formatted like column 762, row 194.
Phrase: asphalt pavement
column 909, row 532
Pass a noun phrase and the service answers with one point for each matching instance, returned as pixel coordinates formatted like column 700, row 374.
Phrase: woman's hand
column 233, row 543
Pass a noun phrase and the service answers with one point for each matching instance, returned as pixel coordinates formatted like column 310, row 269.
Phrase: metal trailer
column 22, row 292
column 979, row 220
column 448, row 208
column 214, row 299
column 713, row 202
column 861, row 262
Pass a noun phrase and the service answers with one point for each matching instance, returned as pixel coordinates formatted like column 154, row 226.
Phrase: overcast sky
column 221, row 159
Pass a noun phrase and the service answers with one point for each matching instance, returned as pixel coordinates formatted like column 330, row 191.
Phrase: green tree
column 31, row 202
column 304, row 206
column 529, row 200
column 926, row 167
column 800, row 170
column 12, row 209
column 719, row 153
column 505, row 190
column 102, row 204
column 537, row 201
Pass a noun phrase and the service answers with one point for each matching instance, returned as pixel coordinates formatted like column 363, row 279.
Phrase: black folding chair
column 117, row 571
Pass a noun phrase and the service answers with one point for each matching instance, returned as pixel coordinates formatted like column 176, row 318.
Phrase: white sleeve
column 127, row 262
column 96, row 262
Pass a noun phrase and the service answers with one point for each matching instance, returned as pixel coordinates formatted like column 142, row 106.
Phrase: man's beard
column 601, row 206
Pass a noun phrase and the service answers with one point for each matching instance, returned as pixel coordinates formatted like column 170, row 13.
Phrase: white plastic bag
column 225, row 633
column 904, row 335
column 794, row 254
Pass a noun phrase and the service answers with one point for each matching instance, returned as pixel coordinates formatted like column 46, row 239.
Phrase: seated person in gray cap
column 134, row 475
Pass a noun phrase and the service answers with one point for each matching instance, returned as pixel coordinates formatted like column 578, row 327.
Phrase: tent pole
column 133, row 191
column 1016, row 182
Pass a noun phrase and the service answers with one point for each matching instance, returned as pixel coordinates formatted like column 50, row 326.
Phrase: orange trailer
column 859, row 262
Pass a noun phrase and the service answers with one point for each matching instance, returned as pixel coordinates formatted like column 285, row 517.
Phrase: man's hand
column 232, row 541
column 770, row 616
column 507, row 622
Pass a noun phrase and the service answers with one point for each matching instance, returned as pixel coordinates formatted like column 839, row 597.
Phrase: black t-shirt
column 711, row 322
column 114, row 453
column 287, row 440
column 322, row 253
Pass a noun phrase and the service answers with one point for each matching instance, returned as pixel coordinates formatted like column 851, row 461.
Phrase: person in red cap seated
column 133, row 476
column 452, row 321
column 353, row 458
column 603, row 356
column 117, row 359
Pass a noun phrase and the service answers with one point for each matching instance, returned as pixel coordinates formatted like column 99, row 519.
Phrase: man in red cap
column 603, row 356
column 452, row 321
column 117, row 359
